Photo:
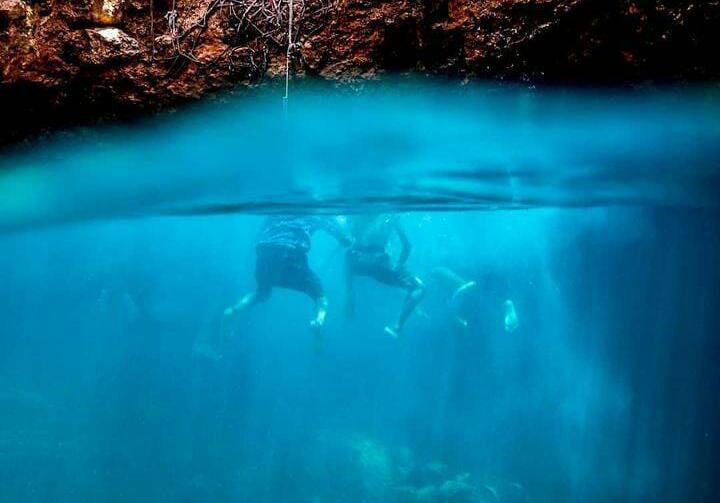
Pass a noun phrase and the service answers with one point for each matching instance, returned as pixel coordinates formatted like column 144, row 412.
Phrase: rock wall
column 66, row 61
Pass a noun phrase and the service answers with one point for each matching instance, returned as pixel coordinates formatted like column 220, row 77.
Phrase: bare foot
column 393, row 331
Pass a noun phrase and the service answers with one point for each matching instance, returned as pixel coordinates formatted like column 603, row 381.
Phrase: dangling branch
column 256, row 24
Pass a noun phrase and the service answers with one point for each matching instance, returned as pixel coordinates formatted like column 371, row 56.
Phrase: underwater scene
column 408, row 293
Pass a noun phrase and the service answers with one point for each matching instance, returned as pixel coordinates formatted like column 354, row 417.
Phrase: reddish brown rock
column 13, row 10
column 106, row 12
column 59, row 65
column 103, row 46
column 17, row 43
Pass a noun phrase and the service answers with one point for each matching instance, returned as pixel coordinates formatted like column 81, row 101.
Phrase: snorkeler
column 282, row 261
column 368, row 256
column 461, row 299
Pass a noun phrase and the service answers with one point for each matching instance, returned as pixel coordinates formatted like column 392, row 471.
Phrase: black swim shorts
column 377, row 264
column 286, row 267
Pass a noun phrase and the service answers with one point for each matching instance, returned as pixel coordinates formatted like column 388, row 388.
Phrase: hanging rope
column 289, row 49
column 152, row 29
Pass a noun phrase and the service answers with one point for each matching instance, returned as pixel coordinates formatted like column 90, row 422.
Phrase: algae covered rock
column 361, row 468
column 354, row 465
column 457, row 489
column 337, row 466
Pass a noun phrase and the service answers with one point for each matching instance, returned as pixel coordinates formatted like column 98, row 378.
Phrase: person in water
column 282, row 261
column 464, row 299
column 369, row 257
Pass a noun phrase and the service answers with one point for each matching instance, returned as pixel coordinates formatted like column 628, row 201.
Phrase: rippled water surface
column 402, row 147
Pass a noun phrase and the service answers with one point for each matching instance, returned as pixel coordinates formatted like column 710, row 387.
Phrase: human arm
column 333, row 227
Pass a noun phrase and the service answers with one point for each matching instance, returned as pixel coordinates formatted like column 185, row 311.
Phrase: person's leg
column 299, row 277
column 210, row 345
column 458, row 284
column 415, row 292
column 321, row 304
column 318, row 323
column 227, row 326
column 313, row 288
column 460, row 287
column 248, row 300
column 349, row 290
column 448, row 275
column 268, row 265
column 378, row 266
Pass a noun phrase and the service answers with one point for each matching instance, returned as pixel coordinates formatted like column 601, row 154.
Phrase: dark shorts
column 285, row 267
column 376, row 264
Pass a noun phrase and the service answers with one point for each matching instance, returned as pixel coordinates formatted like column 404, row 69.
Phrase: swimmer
column 463, row 290
column 282, row 262
column 369, row 257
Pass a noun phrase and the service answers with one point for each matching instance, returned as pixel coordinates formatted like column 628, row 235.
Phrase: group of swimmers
column 282, row 261
column 282, row 249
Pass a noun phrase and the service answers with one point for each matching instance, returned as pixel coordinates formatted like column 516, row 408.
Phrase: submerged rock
column 455, row 490
column 334, row 466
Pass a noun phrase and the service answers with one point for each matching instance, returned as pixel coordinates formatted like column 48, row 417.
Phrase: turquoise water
column 594, row 213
